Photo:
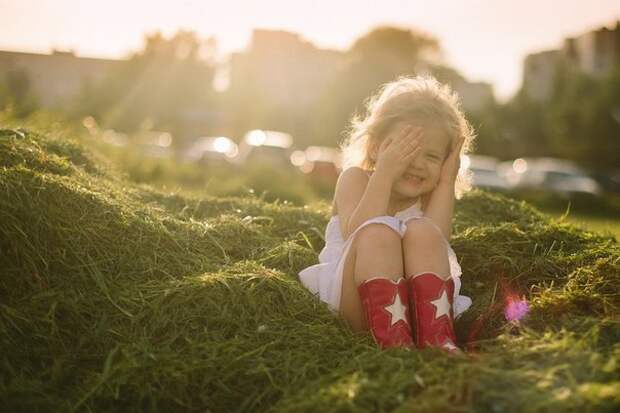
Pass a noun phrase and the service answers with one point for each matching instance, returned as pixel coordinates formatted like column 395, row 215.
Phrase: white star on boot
column 449, row 345
column 442, row 305
column 397, row 310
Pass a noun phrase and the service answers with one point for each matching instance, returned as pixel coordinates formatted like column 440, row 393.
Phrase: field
column 604, row 225
column 121, row 296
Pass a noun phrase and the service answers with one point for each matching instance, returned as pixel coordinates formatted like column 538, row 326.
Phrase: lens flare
column 513, row 307
column 516, row 308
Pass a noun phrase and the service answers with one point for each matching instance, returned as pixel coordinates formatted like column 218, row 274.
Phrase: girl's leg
column 431, row 288
column 424, row 249
column 373, row 286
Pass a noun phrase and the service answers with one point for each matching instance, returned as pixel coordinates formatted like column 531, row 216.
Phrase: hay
column 116, row 296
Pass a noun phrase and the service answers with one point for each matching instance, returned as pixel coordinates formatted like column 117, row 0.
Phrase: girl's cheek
column 435, row 179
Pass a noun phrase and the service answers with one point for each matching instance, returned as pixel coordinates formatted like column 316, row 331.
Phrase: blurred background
column 239, row 97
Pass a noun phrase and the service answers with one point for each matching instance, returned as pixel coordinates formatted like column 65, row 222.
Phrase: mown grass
column 593, row 213
column 116, row 296
column 609, row 225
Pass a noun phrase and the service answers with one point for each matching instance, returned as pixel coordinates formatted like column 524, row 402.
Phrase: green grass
column 594, row 213
column 116, row 296
column 605, row 225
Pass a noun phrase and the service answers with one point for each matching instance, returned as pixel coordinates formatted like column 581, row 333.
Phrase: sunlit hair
column 421, row 99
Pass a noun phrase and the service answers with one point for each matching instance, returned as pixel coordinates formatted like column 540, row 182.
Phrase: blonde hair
column 421, row 98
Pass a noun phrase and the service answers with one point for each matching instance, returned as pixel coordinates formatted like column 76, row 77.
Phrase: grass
column 604, row 225
column 594, row 213
column 116, row 296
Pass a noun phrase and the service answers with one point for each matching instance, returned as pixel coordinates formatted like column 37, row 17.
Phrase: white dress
column 325, row 278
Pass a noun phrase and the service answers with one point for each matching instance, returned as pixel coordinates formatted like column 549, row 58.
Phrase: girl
column 387, row 265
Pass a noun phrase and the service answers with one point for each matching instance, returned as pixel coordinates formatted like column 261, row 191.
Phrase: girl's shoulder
column 355, row 172
column 353, row 176
column 350, row 181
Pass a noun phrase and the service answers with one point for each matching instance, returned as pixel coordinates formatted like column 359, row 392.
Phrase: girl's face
column 422, row 175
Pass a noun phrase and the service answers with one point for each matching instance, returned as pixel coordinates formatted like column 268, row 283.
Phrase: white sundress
column 325, row 278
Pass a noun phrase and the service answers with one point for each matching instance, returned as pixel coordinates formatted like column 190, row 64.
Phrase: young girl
column 387, row 265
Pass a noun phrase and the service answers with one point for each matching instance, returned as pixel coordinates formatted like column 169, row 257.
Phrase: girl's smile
column 422, row 175
column 412, row 179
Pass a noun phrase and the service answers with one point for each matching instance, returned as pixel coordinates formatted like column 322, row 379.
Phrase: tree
column 15, row 92
column 582, row 118
column 376, row 58
column 168, row 84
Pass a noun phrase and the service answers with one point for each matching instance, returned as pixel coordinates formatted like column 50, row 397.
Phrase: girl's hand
column 396, row 154
column 452, row 164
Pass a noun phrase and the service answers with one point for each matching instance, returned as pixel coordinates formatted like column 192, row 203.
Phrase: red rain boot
column 386, row 306
column 431, row 307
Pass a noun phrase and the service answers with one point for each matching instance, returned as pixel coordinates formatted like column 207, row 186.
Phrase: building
column 279, row 72
column 285, row 67
column 293, row 72
column 56, row 78
column 474, row 95
column 593, row 53
column 539, row 73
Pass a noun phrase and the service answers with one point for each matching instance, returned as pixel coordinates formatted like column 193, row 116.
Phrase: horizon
column 497, row 59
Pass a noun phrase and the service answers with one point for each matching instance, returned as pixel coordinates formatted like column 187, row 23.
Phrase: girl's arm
column 440, row 208
column 359, row 198
column 440, row 205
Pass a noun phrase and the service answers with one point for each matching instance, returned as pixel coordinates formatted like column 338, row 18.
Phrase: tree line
column 168, row 85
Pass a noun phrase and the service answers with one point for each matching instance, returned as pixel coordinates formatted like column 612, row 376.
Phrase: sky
column 486, row 40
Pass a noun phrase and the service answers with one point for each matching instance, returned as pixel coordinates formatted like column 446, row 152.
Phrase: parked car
column 210, row 149
column 484, row 172
column 609, row 180
column 154, row 144
column 320, row 162
column 556, row 175
column 114, row 138
column 265, row 146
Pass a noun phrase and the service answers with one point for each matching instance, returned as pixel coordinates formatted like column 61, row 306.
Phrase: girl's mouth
column 412, row 178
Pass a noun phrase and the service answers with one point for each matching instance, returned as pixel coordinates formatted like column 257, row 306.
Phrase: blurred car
column 320, row 162
column 112, row 137
column 609, row 180
column 265, row 146
column 210, row 149
column 154, row 144
column 484, row 173
column 556, row 175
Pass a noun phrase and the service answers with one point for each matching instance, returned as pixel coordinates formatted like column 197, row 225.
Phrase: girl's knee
column 425, row 249
column 423, row 231
column 377, row 235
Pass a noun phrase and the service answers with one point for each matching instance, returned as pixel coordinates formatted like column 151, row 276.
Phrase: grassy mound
column 119, row 297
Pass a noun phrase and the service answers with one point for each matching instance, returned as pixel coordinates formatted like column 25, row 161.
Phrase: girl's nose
column 418, row 163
